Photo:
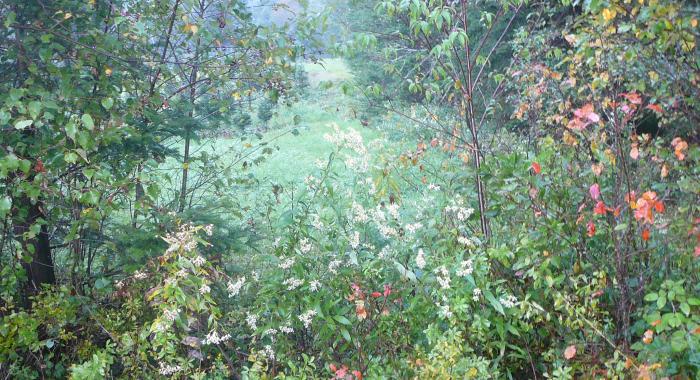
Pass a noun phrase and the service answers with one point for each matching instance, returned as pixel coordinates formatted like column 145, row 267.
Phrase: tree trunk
column 40, row 269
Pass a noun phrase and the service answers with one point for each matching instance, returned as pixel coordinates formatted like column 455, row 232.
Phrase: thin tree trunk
column 188, row 129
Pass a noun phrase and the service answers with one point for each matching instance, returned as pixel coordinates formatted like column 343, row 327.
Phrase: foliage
column 136, row 246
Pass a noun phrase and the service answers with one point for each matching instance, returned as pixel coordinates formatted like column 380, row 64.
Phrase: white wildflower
column 420, row 259
column 305, row 245
column 466, row 267
column 307, row 317
column 358, row 214
column 235, row 287
column 269, row 352
column 508, row 301
column 314, row 285
column 252, row 321
column 393, row 210
column 214, row 338
column 293, row 283
column 476, row 294
column 138, row 275
column 412, row 228
column 168, row 370
column 286, row 329
column 286, row 263
column 170, row 315
column 198, row 261
column 443, row 277
column 204, row 289
column 434, row 187
column 334, row 265
column 355, row 240
column 209, row 229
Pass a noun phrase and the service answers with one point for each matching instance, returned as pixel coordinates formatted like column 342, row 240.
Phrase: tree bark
column 40, row 270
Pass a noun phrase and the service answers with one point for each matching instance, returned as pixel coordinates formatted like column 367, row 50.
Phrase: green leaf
column 342, row 320
column 23, row 124
column 346, row 334
column 87, row 121
column 494, row 302
column 107, row 103
column 685, row 308
column 651, row 297
column 71, row 130
column 5, row 206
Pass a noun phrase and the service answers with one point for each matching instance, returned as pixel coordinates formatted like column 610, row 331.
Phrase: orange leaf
column 646, row 234
column 570, row 352
column 536, row 167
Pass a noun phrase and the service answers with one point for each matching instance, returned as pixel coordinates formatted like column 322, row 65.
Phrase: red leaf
column 646, row 234
column 595, row 191
column 376, row 294
column 387, row 290
column 655, row 107
column 633, row 98
column 590, row 227
column 599, row 208
column 536, row 167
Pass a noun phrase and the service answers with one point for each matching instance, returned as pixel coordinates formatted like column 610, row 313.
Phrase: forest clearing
column 349, row 189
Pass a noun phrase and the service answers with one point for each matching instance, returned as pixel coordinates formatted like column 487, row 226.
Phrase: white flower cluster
column 252, row 321
column 269, row 352
column 314, row 285
column 476, row 294
column 198, row 261
column 509, row 301
column 167, row 369
column 209, row 229
column 385, row 252
column 420, row 259
column 353, row 140
column 183, row 240
column 214, row 338
column 443, row 277
column 461, row 213
column 307, row 317
column 466, row 267
column 465, row 241
column 412, row 228
column 272, row 333
column 286, row 263
column 286, row 329
column 305, row 245
column 334, row 265
column 138, row 275
column 434, row 187
column 444, row 309
column 170, row 315
column 387, row 231
column 235, row 287
column 293, row 283
column 358, row 213
column 355, row 240
column 393, row 209
column 204, row 289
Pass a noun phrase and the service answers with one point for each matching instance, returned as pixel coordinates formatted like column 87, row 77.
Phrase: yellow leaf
column 609, row 14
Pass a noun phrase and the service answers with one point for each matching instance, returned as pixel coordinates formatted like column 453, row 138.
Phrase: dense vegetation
column 349, row 189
